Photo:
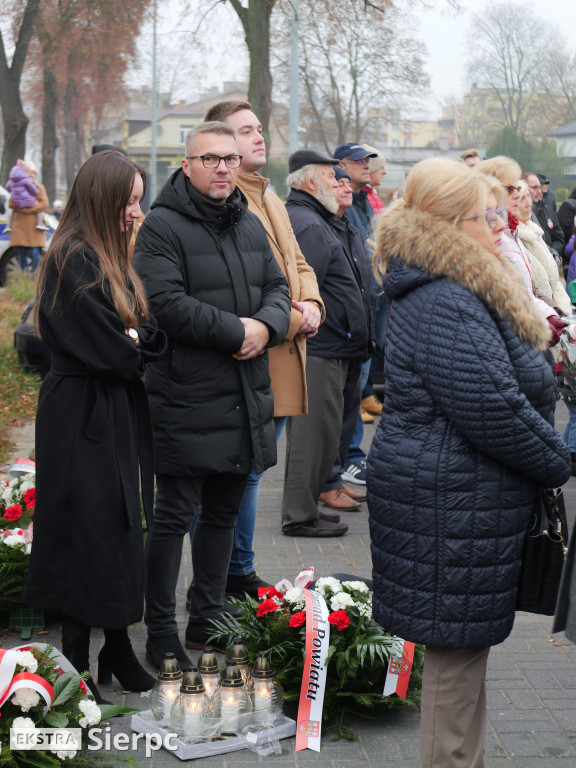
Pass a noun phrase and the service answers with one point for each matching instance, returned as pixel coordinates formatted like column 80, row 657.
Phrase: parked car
column 8, row 255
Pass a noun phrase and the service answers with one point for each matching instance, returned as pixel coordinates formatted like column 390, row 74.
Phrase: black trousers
column 177, row 501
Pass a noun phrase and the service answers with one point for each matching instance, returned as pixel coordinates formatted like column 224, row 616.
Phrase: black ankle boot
column 158, row 647
column 117, row 658
column 76, row 651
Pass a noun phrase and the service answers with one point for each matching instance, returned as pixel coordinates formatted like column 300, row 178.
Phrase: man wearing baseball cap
column 334, row 355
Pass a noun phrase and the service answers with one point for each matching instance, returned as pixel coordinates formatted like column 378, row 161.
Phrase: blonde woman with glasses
column 465, row 439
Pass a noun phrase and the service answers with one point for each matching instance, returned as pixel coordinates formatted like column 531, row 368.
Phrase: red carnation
column 269, row 592
column 266, row 606
column 297, row 619
column 29, row 498
column 13, row 513
column 340, row 619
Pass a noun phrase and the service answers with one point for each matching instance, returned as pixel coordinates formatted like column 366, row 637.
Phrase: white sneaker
column 355, row 473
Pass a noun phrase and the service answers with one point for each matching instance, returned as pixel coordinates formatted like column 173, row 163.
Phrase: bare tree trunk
column 14, row 118
column 49, row 139
column 255, row 18
column 70, row 133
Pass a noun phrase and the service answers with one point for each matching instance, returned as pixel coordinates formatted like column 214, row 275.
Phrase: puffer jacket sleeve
column 467, row 370
column 275, row 308
column 182, row 317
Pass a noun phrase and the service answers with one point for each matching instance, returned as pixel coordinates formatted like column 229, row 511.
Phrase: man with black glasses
column 214, row 286
column 544, row 215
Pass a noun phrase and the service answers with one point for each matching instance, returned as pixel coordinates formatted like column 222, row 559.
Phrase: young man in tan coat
column 287, row 360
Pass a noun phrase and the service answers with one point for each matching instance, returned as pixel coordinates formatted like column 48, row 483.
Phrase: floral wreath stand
column 26, row 621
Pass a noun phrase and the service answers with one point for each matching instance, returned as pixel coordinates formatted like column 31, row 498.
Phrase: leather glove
column 556, row 326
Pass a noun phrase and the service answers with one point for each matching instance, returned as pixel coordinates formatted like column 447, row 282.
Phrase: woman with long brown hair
column 93, row 435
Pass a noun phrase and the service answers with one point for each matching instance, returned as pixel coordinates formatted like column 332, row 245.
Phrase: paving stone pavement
column 531, row 682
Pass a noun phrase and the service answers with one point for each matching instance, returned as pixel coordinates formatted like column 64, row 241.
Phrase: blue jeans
column 34, row 253
column 355, row 453
column 242, row 560
column 570, row 430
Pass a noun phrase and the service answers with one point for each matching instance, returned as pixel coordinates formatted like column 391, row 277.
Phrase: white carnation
column 91, row 711
column 28, row 548
column 13, row 540
column 341, row 601
column 65, row 753
column 295, row 595
column 328, row 583
column 357, row 586
column 28, row 481
column 25, row 698
column 26, row 659
column 23, row 722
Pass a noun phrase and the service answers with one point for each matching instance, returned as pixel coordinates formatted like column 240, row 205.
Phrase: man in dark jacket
column 215, row 288
column 334, row 355
column 544, row 216
column 567, row 216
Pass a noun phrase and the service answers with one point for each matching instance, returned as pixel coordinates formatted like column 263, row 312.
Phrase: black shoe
column 329, row 517
column 158, row 647
column 239, row 584
column 118, row 658
column 318, row 529
column 198, row 632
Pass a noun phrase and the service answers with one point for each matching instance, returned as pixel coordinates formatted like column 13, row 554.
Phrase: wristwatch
column 133, row 333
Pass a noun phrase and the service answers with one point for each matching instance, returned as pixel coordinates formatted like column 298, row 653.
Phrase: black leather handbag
column 545, row 548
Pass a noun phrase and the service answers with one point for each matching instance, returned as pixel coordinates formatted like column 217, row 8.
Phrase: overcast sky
column 442, row 30
column 445, row 36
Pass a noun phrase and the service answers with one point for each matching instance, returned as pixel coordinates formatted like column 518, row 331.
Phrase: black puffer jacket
column 465, row 437
column 204, row 266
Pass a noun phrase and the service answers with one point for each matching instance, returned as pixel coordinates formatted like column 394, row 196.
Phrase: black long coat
column 204, row 266
column 92, row 427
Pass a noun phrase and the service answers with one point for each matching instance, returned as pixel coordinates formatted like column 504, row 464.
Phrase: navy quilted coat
column 465, row 437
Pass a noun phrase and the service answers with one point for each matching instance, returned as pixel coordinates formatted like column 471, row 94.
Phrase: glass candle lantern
column 239, row 655
column 209, row 668
column 231, row 700
column 166, row 688
column 187, row 714
column 267, row 695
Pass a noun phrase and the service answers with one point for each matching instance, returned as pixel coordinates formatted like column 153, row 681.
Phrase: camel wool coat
column 24, row 230
column 288, row 359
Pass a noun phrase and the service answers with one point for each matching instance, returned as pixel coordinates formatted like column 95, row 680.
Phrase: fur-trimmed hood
column 438, row 249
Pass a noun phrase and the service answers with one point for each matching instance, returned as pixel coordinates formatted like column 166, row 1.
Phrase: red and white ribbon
column 303, row 579
column 399, row 669
column 10, row 683
column 309, row 724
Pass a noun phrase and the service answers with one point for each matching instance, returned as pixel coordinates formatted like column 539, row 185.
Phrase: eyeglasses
column 213, row 161
column 510, row 187
column 493, row 218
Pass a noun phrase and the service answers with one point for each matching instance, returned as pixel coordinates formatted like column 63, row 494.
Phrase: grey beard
column 327, row 199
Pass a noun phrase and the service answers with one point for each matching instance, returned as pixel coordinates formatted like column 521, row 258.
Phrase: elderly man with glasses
column 544, row 215
column 217, row 291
